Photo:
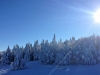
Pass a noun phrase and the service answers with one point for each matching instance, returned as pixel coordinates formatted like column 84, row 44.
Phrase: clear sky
column 23, row 21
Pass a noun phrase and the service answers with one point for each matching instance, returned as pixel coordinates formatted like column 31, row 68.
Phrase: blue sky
column 23, row 21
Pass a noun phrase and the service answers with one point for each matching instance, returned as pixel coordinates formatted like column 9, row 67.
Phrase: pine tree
column 27, row 53
column 36, row 49
column 8, row 55
column 19, row 61
column 3, row 58
column 48, row 52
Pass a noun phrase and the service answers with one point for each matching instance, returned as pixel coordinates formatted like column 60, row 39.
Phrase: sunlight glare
column 97, row 16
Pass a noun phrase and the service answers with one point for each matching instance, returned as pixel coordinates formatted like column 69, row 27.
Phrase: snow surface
column 36, row 68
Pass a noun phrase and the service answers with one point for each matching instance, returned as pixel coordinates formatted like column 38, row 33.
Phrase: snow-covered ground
column 36, row 68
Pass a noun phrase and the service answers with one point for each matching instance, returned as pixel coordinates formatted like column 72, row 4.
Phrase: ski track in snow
column 3, row 71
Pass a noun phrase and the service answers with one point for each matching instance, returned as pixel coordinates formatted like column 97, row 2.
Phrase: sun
column 97, row 16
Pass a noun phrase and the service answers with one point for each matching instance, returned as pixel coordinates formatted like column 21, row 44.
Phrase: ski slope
column 36, row 68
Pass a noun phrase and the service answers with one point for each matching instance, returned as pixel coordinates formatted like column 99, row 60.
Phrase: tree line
column 85, row 50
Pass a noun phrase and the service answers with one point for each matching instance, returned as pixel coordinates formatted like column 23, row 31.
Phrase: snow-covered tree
column 36, row 49
column 3, row 58
column 44, row 52
column 71, row 42
column 8, row 55
column 83, row 51
column 0, row 55
column 31, row 52
column 64, row 54
column 48, row 52
column 27, row 53
column 19, row 61
column 42, row 44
